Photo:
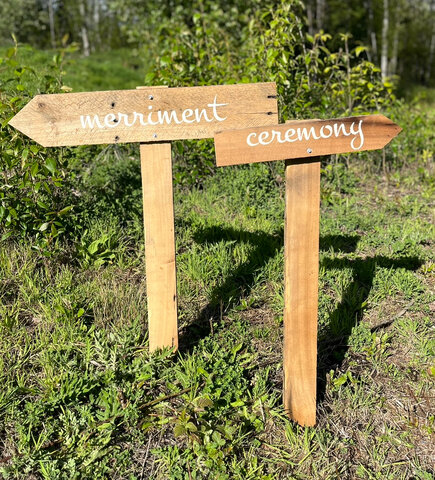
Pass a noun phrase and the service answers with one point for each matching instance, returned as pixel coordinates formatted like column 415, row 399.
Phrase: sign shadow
column 235, row 286
column 333, row 340
column 241, row 281
column 333, row 337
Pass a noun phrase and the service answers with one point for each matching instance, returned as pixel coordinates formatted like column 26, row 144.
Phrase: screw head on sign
column 151, row 97
column 309, row 150
column 154, row 135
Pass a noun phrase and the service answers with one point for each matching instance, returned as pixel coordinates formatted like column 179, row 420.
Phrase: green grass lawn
column 82, row 398
column 114, row 70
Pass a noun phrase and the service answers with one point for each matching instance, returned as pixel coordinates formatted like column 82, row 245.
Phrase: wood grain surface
column 146, row 114
column 158, row 208
column 304, row 138
column 301, row 267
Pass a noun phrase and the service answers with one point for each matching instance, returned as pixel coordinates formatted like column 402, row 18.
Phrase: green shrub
column 32, row 177
column 270, row 44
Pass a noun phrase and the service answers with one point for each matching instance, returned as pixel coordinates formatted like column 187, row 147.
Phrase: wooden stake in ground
column 302, row 141
column 150, row 114
column 160, row 264
column 158, row 210
column 301, row 271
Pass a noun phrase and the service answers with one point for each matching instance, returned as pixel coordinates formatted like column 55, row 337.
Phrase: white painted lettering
column 159, row 117
column 359, row 133
column 263, row 136
column 322, row 131
column 125, row 117
column 140, row 117
column 304, row 132
column 87, row 121
column 266, row 137
column 277, row 134
column 110, row 120
column 214, row 105
column 186, row 114
column 248, row 140
column 202, row 113
column 168, row 117
column 291, row 132
column 342, row 127
column 150, row 119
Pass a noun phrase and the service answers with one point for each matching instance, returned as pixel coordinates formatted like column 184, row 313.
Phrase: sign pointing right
column 304, row 138
column 295, row 141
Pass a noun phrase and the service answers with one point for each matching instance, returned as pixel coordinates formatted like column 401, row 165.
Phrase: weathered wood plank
column 304, row 138
column 158, row 208
column 301, row 267
column 145, row 115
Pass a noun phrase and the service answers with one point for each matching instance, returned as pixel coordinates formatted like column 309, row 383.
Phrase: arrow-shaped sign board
column 304, row 138
column 154, row 115
column 146, row 115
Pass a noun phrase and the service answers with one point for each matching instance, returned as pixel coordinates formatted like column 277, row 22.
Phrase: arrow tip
column 26, row 119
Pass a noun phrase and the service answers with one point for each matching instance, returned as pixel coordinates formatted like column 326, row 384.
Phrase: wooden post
column 301, row 271
column 158, row 212
column 160, row 265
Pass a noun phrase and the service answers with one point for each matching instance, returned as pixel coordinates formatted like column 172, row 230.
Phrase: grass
column 82, row 398
column 117, row 69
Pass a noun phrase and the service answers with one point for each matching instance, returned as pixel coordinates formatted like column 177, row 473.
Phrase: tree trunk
column 320, row 14
column 384, row 52
column 393, row 61
column 84, row 29
column 371, row 32
column 310, row 17
column 51, row 20
column 432, row 44
column 96, row 26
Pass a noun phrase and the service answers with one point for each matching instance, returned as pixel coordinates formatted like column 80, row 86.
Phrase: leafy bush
column 270, row 45
column 32, row 180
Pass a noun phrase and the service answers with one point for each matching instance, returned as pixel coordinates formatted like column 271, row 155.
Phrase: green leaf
column 149, row 77
column 51, row 165
column 359, row 50
column 191, row 426
column 93, row 247
column 65, row 210
column 179, row 430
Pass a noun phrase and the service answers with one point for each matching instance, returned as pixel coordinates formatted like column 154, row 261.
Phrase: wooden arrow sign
column 295, row 141
column 304, row 138
column 146, row 115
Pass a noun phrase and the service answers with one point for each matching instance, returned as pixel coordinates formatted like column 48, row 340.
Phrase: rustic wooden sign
column 145, row 115
column 155, row 115
column 304, row 138
column 295, row 140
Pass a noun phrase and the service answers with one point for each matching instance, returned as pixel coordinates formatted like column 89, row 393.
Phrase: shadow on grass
column 236, row 286
column 333, row 339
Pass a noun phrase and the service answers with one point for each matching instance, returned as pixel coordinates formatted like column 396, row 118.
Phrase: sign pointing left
column 146, row 115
